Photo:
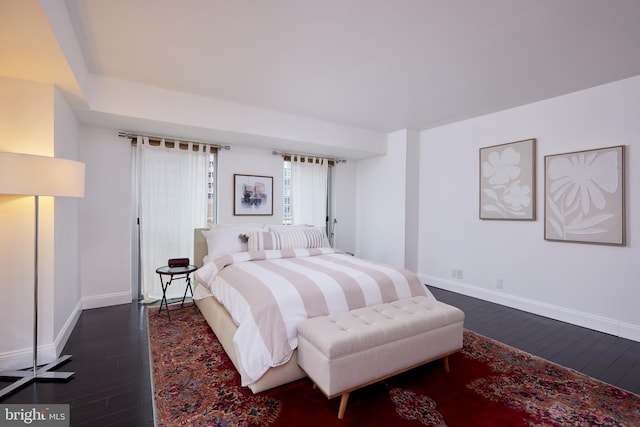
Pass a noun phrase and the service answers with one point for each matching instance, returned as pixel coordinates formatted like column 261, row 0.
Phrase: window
column 305, row 189
column 175, row 192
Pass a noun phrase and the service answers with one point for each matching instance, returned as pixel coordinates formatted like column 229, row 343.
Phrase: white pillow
column 280, row 227
column 250, row 226
column 227, row 240
column 297, row 238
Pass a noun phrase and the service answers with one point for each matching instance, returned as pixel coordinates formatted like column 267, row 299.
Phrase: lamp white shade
column 28, row 174
column 31, row 175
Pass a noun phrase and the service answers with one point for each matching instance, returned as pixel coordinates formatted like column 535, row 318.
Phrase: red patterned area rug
column 489, row 384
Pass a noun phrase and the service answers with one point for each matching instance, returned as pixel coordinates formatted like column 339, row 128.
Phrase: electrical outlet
column 459, row 274
column 499, row 284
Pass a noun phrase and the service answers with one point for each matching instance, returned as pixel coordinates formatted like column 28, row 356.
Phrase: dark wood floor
column 112, row 383
column 605, row 357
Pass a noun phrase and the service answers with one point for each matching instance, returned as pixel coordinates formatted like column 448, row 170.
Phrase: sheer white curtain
column 172, row 202
column 309, row 190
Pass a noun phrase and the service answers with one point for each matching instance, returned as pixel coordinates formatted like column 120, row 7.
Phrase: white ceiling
column 378, row 64
column 381, row 65
column 29, row 50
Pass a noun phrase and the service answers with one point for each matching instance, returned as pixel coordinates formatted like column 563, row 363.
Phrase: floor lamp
column 30, row 175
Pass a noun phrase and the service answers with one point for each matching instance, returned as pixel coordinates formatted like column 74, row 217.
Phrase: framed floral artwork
column 584, row 196
column 508, row 181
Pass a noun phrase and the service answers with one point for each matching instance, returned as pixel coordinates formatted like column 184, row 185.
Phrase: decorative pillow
column 300, row 238
column 248, row 226
column 227, row 240
column 280, row 227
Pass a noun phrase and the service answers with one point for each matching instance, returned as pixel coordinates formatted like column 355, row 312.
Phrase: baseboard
column 597, row 323
column 63, row 336
column 23, row 358
column 630, row 331
column 106, row 300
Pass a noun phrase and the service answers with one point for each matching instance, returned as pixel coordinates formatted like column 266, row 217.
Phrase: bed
column 252, row 265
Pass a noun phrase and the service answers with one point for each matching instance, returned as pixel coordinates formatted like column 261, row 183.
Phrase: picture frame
column 253, row 195
column 508, row 181
column 585, row 196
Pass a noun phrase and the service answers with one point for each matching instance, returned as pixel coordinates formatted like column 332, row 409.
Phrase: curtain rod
column 132, row 135
column 315, row 156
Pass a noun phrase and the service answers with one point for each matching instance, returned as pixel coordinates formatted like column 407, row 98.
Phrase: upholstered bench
column 346, row 351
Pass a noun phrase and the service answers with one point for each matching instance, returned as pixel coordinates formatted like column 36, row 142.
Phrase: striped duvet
column 269, row 292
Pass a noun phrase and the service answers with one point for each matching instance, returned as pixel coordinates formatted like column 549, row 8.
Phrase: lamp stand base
column 40, row 375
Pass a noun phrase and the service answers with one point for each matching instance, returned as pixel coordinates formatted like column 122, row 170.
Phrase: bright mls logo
column 34, row 415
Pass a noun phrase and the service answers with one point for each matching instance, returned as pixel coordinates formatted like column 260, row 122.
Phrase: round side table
column 169, row 274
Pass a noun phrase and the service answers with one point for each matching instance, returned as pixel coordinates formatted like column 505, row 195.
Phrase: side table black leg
column 164, row 297
column 187, row 288
column 178, row 273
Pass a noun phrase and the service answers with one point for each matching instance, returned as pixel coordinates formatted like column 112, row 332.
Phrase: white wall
column 591, row 285
column 66, row 289
column 35, row 119
column 248, row 161
column 20, row 103
column 344, row 202
column 412, row 197
column 105, row 229
column 381, row 203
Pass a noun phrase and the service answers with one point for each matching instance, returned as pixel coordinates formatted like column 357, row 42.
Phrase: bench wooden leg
column 343, row 405
column 446, row 363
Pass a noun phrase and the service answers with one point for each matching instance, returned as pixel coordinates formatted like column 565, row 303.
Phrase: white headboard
column 199, row 246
